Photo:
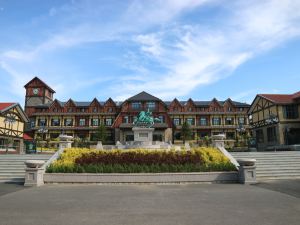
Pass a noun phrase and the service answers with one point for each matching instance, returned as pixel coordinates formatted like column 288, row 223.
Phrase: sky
column 197, row 49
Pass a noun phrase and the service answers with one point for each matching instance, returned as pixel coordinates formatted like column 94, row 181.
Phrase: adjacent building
column 50, row 117
column 274, row 119
column 12, row 120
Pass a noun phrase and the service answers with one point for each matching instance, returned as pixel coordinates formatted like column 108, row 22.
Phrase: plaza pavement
column 275, row 202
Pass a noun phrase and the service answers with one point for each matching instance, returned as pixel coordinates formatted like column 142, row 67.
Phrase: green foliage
column 101, row 133
column 76, row 160
column 140, row 168
column 186, row 132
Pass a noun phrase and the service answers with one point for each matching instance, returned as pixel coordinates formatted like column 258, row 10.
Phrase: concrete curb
column 214, row 177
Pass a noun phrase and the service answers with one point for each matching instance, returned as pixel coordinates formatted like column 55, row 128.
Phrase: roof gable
column 143, row 96
column 11, row 106
column 5, row 105
column 36, row 79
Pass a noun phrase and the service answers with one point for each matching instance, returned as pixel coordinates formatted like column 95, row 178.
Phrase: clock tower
column 37, row 93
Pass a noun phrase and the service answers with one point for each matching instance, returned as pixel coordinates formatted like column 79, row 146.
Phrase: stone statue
column 145, row 119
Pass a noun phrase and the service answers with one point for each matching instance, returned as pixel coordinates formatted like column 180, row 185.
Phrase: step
column 12, row 180
column 278, row 177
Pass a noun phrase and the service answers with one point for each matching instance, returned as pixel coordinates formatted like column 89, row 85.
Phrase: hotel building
column 81, row 119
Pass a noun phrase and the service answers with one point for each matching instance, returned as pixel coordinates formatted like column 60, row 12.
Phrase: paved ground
column 210, row 204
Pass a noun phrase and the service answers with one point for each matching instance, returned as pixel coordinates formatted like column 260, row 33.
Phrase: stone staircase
column 274, row 165
column 12, row 167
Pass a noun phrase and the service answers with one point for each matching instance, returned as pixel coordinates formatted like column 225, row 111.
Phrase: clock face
column 35, row 91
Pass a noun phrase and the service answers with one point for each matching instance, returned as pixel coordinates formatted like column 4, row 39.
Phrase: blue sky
column 169, row 48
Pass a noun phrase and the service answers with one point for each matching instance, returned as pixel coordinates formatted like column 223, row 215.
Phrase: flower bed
column 140, row 161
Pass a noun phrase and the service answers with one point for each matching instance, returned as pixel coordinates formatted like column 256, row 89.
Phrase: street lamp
column 10, row 119
column 42, row 131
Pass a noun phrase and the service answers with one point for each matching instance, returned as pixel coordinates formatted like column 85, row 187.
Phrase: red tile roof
column 27, row 137
column 296, row 95
column 4, row 105
column 281, row 98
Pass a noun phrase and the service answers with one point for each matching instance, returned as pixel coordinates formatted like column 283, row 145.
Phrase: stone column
column 22, row 146
column 247, row 171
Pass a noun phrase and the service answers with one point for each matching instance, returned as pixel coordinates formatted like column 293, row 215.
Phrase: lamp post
column 42, row 131
column 10, row 120
column 241, row 129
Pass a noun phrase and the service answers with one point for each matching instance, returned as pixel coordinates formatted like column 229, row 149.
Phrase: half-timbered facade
column 275, row 120
column 12, row 120
column 82, row 118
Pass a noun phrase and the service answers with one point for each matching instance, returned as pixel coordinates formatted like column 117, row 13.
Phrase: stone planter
column 247, row 171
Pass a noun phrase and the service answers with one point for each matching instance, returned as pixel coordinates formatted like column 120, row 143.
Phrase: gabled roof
column 5, row 105
column 281, row 98
column 143, row 96
column 38, row 79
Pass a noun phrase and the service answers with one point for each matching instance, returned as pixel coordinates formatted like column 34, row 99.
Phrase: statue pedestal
column 142, row 134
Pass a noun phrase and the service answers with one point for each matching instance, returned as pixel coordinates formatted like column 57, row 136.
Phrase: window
column 162, row 119
column 290, row 112
column 241, row 120
column 95, row 110
column 42, row 122
column 215, row 109
column 203, row 121
column 55, row 122
column 241, row 109
column 32, row 123
column 110, row 109
column 229, row 109
column 260, row 136
column 81, row 122
column 271, row 133
column 150, row 105
column 136, row 105
column 108, row 122
column 125, row 119
column 176, row 121
column 95, row 122
column 82, row 110
column 55, row 110
column 175, row 109
column 216, row 121
column 230, row 135
column 229, row 121
column 190, row 121
column 68, row 122
column 70, row 110
column 190, row 109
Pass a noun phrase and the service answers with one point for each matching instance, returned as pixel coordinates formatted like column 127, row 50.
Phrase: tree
column 101, row 134
column 186, row 132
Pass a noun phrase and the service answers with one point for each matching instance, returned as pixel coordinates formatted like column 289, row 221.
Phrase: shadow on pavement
column 289, row 187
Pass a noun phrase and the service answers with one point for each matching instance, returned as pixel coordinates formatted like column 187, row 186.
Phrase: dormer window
column 136, row 105
column 151, row 105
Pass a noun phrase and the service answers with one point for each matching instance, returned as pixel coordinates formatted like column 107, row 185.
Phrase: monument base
column 144, row 135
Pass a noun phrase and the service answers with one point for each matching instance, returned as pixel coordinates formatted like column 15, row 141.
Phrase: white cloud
column 188, row 54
